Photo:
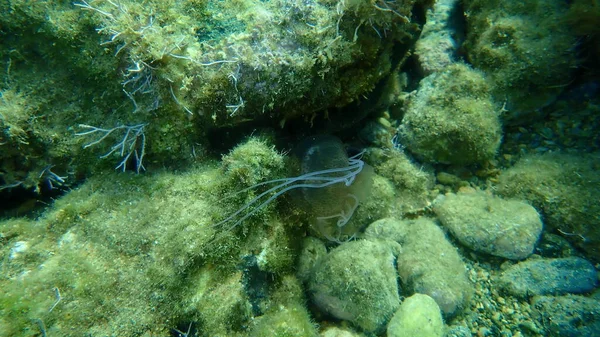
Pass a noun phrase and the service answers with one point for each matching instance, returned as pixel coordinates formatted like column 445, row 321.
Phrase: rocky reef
column 299, row 168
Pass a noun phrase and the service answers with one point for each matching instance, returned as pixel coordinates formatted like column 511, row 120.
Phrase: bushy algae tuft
column 330, row 186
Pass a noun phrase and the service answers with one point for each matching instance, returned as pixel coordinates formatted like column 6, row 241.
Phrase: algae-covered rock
column 526, row 49
column 230, row 61
column 450, row 180
column 572, row 315
column 413, row 183
column 452, row 118
column 380, row 204
column 335, row 331
column 357, row 282
column 489, row 224
column 285, row 314
column 286, row 321
column 419, row 315
column 312, row 251
column 549, row 277
column 458, row 331
column 252, row 161
column 218, row 301
column 141, row 84
column 437, row 46
column 145, row 246
column 428, row 263
column 566, row 189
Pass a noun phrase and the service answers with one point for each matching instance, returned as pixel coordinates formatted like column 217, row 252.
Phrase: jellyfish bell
column 332, row 206
column 329, row 187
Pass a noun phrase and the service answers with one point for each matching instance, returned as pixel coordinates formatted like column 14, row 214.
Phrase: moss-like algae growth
column 565, row 188
column 137, row 254
column 452, row 119
column 525, row 48
column 286, row 316
column 412, row 184
column 171, row 71
column 92, row 85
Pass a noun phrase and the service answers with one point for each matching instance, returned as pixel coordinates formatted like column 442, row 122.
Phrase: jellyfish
column 329, row 188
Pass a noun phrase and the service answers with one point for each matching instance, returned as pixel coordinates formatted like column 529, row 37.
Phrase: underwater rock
column 312, row 251
column 413, row 183
column 571, row 315
column 566, row 189
column 357, row 282
column 219, row 302
column 458, row 331
column 419, row 315
column 437, row 46
column 228, row 63
column 285, row 313
column 429, row 264
column 334, row 331
column 452, row 118
column 251, row 162
column 549, row 277
column 488, row 224
column 553, row 246
column 287, row 320
column 143, row 245
column 174, row 70
column 526, row 50
column 451, row 180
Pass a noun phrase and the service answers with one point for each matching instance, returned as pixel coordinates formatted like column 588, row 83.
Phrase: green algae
column 452, row 119
column 140, row 255
column 125, row 250
column 413, row 184
column 525, row 48
column 357, row 282
column 180, row 68
column 132, row 253
column 565, row 188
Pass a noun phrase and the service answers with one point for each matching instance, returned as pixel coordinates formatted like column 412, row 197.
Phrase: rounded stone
column 549, row 277
column 452, row 118
column 489, row 224
column 357, row 282
column 565, row 188
column 429, row 263
column 419, row 315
